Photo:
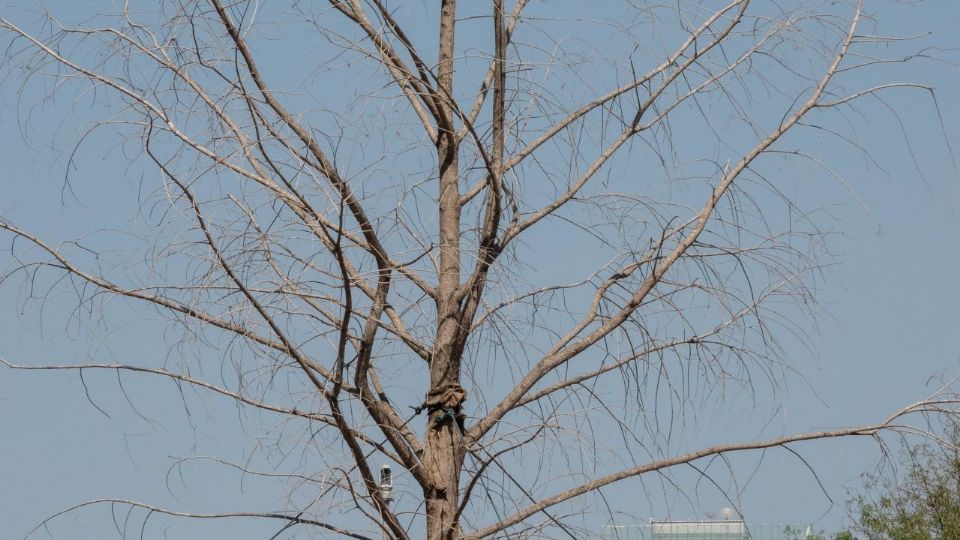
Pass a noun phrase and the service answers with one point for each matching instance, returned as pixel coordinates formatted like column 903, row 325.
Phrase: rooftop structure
column 705, row 530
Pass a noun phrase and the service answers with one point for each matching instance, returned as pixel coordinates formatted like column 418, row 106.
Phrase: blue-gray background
column 888, row 325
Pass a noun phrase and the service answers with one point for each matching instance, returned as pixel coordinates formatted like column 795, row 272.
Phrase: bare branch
column 869, row 430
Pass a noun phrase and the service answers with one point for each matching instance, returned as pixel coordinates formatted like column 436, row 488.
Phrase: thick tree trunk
column 443, row 457
column 443, row 441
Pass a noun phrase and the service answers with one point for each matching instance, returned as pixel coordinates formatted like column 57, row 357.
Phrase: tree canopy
column 918, row 500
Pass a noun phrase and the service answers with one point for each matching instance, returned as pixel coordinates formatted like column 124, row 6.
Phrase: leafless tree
column 545, row 223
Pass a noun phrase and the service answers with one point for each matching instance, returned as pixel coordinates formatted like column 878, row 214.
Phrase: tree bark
column 443, row 441
column 443, row 457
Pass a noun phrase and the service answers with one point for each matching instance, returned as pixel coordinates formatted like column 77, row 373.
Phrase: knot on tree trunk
column 446, row 399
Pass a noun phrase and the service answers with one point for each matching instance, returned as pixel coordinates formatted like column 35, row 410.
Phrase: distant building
column 698, row 530
column 705, row 530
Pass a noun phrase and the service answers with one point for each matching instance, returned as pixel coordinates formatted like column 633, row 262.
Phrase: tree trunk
column 443, row 458
column 443, row 441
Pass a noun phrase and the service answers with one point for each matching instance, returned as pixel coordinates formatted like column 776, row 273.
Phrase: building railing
column 706, row 530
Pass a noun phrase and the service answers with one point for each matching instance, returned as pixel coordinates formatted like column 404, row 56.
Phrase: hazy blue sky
column 886, row 325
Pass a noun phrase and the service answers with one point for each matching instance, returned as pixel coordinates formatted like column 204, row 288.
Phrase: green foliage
column 922, row 503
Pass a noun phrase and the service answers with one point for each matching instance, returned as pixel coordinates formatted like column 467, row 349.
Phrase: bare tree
column 548, row 224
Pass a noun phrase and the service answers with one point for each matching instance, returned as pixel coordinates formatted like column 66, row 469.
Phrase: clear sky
column 883, row 332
